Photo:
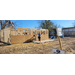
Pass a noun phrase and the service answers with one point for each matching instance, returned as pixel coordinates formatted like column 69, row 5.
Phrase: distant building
column 70, row 31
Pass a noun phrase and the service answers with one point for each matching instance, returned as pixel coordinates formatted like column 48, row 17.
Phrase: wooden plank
column 60, row 42
column 34, row 29
column 8, row 33
column 22, row 28
column 0, row 35
column 36, row 37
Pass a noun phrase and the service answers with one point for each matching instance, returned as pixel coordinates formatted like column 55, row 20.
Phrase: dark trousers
column 39, row 38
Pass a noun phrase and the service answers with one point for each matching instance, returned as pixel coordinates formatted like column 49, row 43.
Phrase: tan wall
column 37, row 38
column 5, row 35
column 29, row 33
column 17, row 39
column 47, row 32
column 44, row 37
column 21, row 38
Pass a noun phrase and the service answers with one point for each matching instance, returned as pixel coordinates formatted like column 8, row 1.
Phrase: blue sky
column 34, row 23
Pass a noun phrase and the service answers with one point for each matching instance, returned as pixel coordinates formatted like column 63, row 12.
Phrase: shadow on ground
column 3, row 44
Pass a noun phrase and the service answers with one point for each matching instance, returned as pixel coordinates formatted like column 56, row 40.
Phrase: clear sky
column 34, row 23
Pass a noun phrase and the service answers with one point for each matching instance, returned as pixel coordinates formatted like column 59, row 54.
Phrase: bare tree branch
column 7, row 23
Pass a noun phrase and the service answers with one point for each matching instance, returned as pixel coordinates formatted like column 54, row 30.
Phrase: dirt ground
column 68, row 44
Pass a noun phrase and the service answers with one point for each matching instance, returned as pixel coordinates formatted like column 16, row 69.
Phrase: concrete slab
column 43, row 41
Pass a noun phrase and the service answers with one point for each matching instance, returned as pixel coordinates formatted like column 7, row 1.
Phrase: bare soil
column 68, row 44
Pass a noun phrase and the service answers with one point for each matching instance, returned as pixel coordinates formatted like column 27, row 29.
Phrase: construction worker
column 39, row 36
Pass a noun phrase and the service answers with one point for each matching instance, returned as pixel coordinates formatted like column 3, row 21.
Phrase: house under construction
column 14, row 35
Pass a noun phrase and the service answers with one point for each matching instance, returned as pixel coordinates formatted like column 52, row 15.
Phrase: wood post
column 45, row 32
column 60, row 42
column 31, row 32
column 36, row 32
column 48, row 32
column 15, row 32
column 10, row 35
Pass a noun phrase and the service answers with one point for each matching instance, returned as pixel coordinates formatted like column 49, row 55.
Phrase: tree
column 47, row 24
column 56, row 26
column 1, row 24
column 6, row 23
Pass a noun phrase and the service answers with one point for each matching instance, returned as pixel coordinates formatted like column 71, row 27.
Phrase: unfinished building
column 14, row 35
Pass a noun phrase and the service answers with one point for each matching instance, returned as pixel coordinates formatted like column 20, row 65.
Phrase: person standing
column 39, row 36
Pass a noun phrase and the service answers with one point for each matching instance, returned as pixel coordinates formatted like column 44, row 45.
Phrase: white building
column 69, row 31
